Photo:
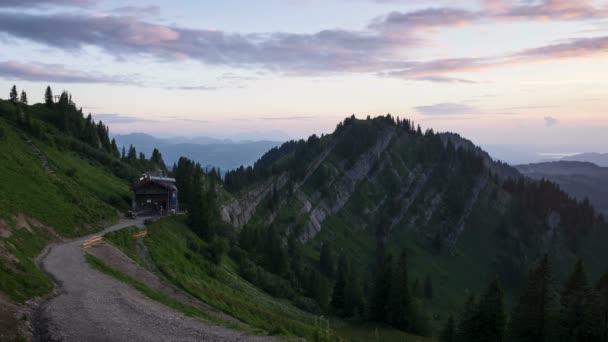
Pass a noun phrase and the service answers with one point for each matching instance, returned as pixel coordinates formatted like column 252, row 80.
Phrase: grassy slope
column 71, row 205
column 173, row 247
column 456, row 273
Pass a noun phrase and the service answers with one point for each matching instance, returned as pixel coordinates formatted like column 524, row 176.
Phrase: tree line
column 544, row 311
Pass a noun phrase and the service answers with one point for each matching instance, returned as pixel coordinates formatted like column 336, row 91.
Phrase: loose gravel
column 91, row 306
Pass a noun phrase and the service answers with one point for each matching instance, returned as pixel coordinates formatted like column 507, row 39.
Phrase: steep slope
column 48, row 191
column 580, row 179
column 377, row 186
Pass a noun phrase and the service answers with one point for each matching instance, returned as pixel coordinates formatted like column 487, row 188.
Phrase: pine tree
column 13, row 95
column 353, row 305
column 428, row 288
column 115, row 151
column 448, row 334
column 157, row 160
column 398, row 306
column 338, row 297
column 381, row 290
column 491, row 315
column 416, row 288
column 533, row 318
column 123, row 154
column 23, row 98
column 578, row 321
column 48, row 97
column 602, row 294
column 467, row 326
column 326, row 260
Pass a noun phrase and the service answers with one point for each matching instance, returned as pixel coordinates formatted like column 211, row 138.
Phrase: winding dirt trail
column 91, row 306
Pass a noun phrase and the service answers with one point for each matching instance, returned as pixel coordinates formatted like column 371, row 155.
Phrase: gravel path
column 91, row 306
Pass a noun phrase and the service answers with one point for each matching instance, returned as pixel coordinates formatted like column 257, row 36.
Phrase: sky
column 499, row 72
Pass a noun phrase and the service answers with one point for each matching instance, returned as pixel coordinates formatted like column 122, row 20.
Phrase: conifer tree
column 338, row 296
column 353, row 305
column 602, row 295
column 48, row 97
column 491, row 315
column 399, row 301
column 23, row 98
column 381, row 290
column 467, row 326
column 533, row 318
column 448, row 334
column 13, row 95
column 326, row 260
column 115, row 151
column 428, row 288
column 578, row 318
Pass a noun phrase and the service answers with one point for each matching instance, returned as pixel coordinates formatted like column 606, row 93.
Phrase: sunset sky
column 498, row 72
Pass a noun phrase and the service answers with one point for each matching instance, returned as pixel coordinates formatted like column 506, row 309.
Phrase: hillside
column 378, row 187
column 354, row 226
column 579, row 179
column 60, row 179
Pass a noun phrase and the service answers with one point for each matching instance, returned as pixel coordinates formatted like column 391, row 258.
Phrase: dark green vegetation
column 384, row 228
column 61, row 176
column 381, row 222
column 148, row 292
column 579, row 179
column 574, row 311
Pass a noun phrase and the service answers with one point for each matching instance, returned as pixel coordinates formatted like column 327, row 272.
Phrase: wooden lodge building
column 156, row 195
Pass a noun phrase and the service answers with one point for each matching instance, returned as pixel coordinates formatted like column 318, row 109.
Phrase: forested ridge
column 380, row 222
column 422, row 196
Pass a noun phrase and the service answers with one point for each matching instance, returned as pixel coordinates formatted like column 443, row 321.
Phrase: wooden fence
column 141, row 234
column 92, row 241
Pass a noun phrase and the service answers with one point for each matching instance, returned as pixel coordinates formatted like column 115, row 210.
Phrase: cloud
column 55, row 73
column 551, row 121
column 424, row 19
column 441, row 68
column 198, row 87
column 289, row 118
column 113, row 118
column 44, row 3
column 379, row 48
column 178, row 118
column 137, row 11
column 444, row 79
column 447, row 109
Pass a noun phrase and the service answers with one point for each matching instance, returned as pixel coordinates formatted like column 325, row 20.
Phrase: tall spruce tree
column 428, row 287
column 353, row 305
column 468, row 325
column 23, row 98
column 533, row 319
column 381, row 291
column 602, row 295
column 448, row 333
column 578, row 318
column 338, row 297
column 491, row 315
column 326, row 260
column 398, row 307
column 48, row 97
column 13, row 95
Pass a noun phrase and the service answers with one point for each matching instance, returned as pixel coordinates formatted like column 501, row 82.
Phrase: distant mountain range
column 600, row 159
column 209, row 152
column 579, row 179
